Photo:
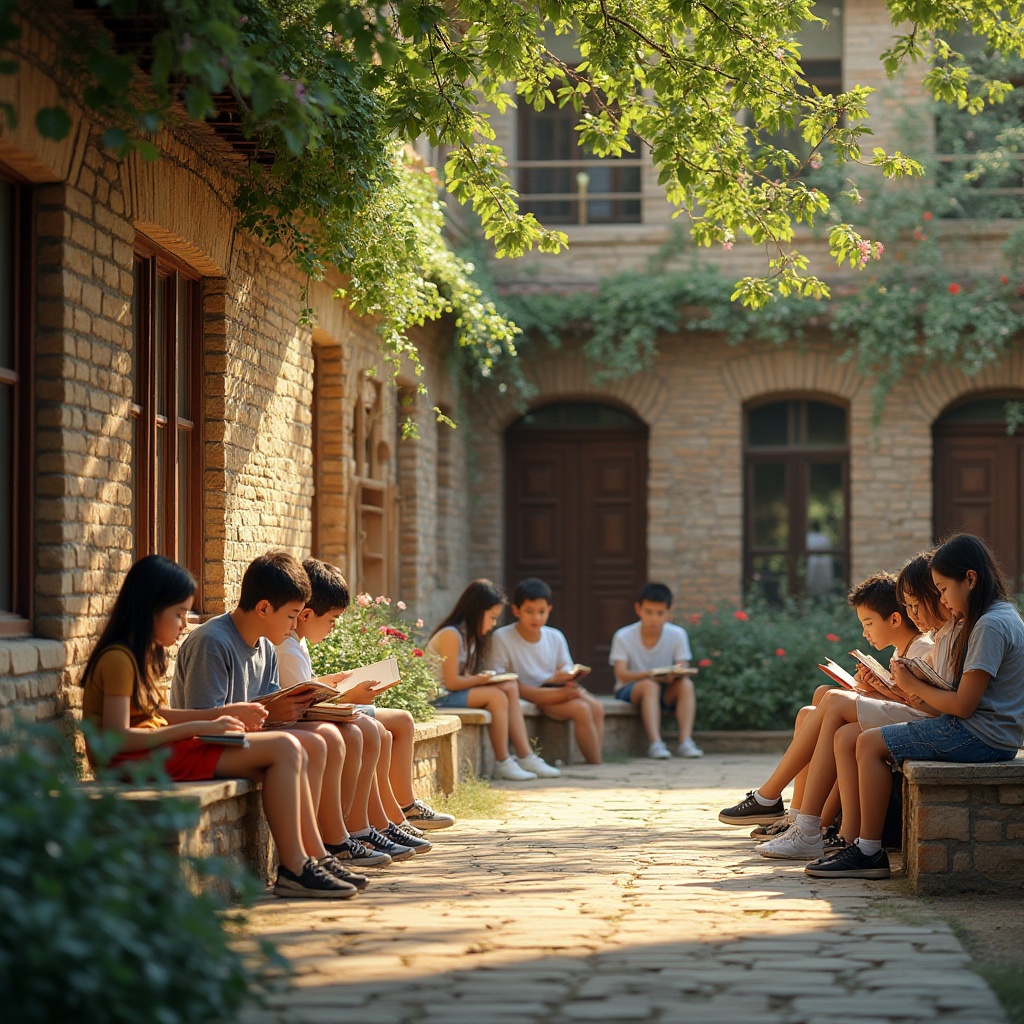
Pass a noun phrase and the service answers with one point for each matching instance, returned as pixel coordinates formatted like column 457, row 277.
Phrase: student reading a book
column 846, row 715
column 651, row 658
column 122, row 696
column 231, row 658
column 395, row 728
column 548, row 677
column 462, row 644
column 980, row 721
column 885, row 623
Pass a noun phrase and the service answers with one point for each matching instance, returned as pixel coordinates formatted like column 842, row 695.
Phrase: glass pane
column 184, row 478
column 826, row 425
column 6, row 498
column 770, row 576
column 576, row 415
column 987, row 410
column 184, row 327
column 6, row 275
column 160, row 507
column 826, row 518
column 163, row 295
column 768, row 425
column 770, row 507
column 137, row 327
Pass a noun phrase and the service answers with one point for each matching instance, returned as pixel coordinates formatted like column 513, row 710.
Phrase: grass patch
column 1008, row 984
column 472, row 798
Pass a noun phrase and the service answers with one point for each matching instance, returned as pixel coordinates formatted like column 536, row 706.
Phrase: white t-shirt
column 293, row 662
column 534, row 663
column 627, row 645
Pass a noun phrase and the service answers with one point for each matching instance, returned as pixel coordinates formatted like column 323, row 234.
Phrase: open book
column 838, row 674
column 669, row 672
column 318, row 692
column 874, row 665
column 498, row 677
column 383, row 674
column 578, row 670
column 925, row 672
column 233, row 738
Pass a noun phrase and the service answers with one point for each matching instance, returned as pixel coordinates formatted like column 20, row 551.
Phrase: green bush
column 372, row 629
column 759, row 664
column 97, row 925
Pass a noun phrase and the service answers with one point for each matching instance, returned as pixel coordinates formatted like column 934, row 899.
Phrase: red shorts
column 188, row 760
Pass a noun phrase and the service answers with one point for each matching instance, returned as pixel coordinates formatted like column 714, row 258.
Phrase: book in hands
column 875, row 666
column 838, row 674
column 578, row 670
column 382, row 675
column 330, row 712
column 317, row 692
column 499, row 677
column 232, row 738
column 924, row 672
column 671, row 672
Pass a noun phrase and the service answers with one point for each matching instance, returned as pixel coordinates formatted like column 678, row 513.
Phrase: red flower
column 694, row 619
column 417, row 653
column 832, row 637
column 396, row 633
column 1004, row 280
column 926, row 215
column 780, row 652
column 954, row 289
column 741, row 615
column 704, row 662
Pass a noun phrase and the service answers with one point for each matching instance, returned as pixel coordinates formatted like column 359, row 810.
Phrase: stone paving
column 613, row 895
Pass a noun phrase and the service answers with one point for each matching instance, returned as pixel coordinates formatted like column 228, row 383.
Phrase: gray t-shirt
column 996, row 646
column 216, row 666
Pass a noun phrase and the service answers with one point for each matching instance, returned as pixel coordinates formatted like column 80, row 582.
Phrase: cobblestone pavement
column 614, row 894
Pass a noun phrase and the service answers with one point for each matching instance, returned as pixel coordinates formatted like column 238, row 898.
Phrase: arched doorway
column 979, row 479
column 576, row 515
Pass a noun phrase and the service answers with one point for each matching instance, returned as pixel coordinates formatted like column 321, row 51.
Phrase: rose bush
column 371, row 629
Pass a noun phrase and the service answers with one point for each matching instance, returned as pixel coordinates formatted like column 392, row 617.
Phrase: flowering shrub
column 759, row 664
column 371, row 629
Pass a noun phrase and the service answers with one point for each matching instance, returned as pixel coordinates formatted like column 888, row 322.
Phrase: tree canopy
column 330, row 90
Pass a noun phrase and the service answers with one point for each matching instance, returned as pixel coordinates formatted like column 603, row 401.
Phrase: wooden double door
column 979, row 489
column 576, row 516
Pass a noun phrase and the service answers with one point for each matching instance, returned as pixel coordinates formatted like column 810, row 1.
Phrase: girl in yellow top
column 122, row 697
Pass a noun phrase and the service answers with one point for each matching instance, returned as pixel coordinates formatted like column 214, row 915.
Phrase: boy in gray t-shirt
column 638, row 652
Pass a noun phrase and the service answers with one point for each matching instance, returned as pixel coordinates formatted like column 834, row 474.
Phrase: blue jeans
column 453, row 699
column 626, row 692
column 945, row 738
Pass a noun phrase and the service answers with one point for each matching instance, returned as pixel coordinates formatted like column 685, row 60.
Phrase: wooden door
column 576, row 515
column 979, row 489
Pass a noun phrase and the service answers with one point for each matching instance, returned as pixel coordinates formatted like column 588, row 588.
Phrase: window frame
column 154, row 267
column 798, row 459
column 20, row 378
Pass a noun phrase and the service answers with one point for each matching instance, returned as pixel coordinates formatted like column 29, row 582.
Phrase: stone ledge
column 467, row 716
column 946, row 773
column 23, row 656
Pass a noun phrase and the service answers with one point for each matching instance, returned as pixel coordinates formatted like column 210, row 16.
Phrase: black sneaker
column 423, row 816
column 763, row 833
column 382, row 844
column 360, row 855
column 851, row 863
column 403, row 838
column 834, row 845
column 333, row 866
column 313, row 882
column 749, row 812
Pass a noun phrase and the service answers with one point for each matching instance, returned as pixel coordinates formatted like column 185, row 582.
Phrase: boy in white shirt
column 539, row 656
column 654, row 642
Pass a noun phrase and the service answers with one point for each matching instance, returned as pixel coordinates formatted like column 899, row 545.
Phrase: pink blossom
column 419, row 623
column 364, row 600
column 727, row 246
column 877, row 250
column 815, row 161
column 401, row 606
column 832, row 637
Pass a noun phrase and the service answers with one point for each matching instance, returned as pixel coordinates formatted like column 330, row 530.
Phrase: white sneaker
column 689, row 749
column 793, row 845
column 510, row 770
column 658, row 751
column 536, row 764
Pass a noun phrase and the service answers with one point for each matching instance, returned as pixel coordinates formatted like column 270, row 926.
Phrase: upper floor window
column 15, row 410
column 167, row 475
column 796, row 537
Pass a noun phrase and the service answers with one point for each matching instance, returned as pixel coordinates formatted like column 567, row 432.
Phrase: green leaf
column 53, row 123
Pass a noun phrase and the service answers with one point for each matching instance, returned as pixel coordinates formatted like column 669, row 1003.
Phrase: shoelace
column 376, row 837
column 356, row 848
column 424, row 810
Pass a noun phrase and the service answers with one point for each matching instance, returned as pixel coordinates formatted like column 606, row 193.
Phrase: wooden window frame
column 16, row 620
column 155, row 267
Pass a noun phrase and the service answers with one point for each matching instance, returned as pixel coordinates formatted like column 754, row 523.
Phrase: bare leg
column 797, row 756
column 647, row 693
column 801, row 779
column 580, row 713
column 832, row 806
column 686, row 705
column 597, row 710
column 839, row 709
column 845, row 746
column 875, row 782
column 328, row 800
column 403, row 733
column 357, row 810
column 383, row 806
column 516, row 723
column 353, row 739
column 493, row 699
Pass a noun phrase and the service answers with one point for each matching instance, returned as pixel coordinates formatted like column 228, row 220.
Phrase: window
column 796, row 471
column 167, row 473
column 16, row 260
column 375, row 535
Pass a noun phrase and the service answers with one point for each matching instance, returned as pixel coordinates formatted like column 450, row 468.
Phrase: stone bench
column 231, row 822
column 963, row 826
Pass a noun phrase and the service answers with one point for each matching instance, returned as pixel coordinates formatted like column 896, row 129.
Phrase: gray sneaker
column 360, row 856
column 382, row 844
column 398, row 835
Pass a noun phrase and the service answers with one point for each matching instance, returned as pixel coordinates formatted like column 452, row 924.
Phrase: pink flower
column 919, row 235
column 400, row 606
column 694, row 619
column 417, row 653
column 954, row 289
column 780, row 652
column 704, row 662
column 832, row 637
column 419, row 623
column 741, row 615
column 364, row 600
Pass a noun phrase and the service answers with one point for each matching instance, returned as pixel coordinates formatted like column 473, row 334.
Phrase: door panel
column 576, row 506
